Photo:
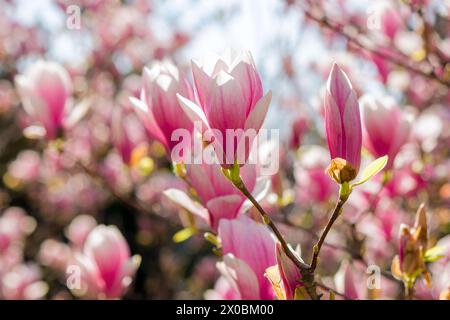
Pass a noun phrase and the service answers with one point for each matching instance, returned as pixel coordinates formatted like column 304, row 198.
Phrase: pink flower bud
column 413, row 243
column 391, row 21
column 386, row 127
column 342, row 119
column 289, row 273
column 106, row 266
column 26, row 167
column 158, row 106
column 54, row 254
column 23, row 282
column 45, row 90
column 219, row 198
column 79, row 229
column 230, row 96
column 15, row 225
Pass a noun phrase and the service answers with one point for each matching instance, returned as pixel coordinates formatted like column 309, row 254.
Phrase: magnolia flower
column 230, row 103
column 219, row 198
column 23, row 282
column 222, row 290
column 248, row 250
column 404, row 182
column 312, row 183
column 107, row 269
column 299, row 128
column 158, row 107
column 357, row 281
column 343, row 126
column 386, row 127
column 15, row 225
column 79, row 229
column 390, row 20
column 55, row 255
column 128, row 137
column 347, row 281
column 120, row 134
column 45, row 90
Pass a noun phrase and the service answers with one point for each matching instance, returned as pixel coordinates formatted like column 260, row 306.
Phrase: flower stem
column 316, row 249
column 241, row 186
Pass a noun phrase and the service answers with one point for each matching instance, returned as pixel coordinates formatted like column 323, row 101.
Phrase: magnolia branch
column 316, row 249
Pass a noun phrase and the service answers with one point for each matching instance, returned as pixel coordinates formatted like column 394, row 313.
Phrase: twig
column 316, row 249
column 321, row 285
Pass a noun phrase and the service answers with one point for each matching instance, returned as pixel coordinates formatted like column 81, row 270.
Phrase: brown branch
column 316, row 249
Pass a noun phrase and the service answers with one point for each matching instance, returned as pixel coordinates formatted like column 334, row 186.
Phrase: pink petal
column 224, row 207
column 183, row 200
column 241, row 276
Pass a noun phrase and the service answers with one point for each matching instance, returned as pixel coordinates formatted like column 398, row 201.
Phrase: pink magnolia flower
column 15, row 225
column 248, row 250
column 220, row 198
column 222, row 290
column 45, row 90
column 55, row 254
column 79, row 229
column 342, row 120
column 405, row 182
column 107, row 269
column 410, row 263
column 386, row 127
column 230, row 96
column 158, row 106
column 300, row 127
column 358, row 282
column 26, row 167
column 10, row 258
column 23, row 282
column 285, row 276
column 390, row 19
column 120, row 135
column 347, row 281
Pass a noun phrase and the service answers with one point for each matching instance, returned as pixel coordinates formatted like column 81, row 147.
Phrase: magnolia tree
column 132, row 171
